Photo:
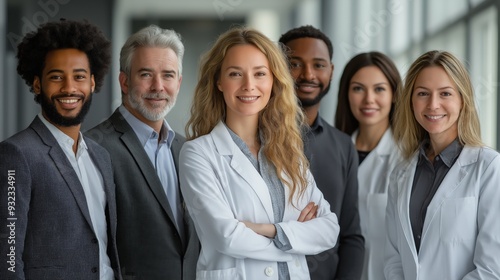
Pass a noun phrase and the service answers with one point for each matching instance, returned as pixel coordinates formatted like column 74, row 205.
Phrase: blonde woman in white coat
column 243, row 174
column 442, row 214
column 364, row 110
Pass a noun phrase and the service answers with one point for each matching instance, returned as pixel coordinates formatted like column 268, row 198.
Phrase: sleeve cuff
column 281, row 240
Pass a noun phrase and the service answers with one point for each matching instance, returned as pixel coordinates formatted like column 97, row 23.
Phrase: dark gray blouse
column 427, row 179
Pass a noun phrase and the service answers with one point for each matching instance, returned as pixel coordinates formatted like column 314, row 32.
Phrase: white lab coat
column 461, row 233
column 221, row 187
column 373, row 180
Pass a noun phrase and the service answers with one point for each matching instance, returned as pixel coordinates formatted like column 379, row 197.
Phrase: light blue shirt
column 93, row 187
column 160, row 155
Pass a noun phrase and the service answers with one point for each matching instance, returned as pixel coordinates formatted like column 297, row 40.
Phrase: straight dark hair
column 344, row 118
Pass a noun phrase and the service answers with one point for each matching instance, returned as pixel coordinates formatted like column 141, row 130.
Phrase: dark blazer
column 334, row 165
column 148, row 242
column 50, row 234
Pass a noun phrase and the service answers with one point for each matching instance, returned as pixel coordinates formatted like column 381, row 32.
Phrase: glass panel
column 476, row 2
column 399, row 31
column 439, row 13
column 417, row 14
column 452, row 41
column 483, row 67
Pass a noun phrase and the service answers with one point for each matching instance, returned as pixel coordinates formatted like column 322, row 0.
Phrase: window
column 483, row 68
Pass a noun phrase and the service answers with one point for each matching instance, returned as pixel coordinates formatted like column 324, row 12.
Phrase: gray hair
column 151, row 36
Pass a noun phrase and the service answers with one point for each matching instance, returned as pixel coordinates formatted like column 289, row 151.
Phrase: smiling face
column 246, row 81
column 65, row 86
column 436, row 104
column 152, row 85
column 370, row 97
column 311, row 69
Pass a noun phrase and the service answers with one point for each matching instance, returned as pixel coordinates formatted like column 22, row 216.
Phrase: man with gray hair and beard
column 155, row 236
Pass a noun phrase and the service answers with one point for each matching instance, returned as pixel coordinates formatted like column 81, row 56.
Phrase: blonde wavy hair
column 407, row 131
column 280, row 122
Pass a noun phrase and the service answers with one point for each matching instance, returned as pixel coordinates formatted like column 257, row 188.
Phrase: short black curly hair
column 307, row 31
column 63, row 34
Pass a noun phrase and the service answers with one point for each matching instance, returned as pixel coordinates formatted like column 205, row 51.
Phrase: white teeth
column 368, row 110
column 248, row 98
column 68, row 101
column 435, row 117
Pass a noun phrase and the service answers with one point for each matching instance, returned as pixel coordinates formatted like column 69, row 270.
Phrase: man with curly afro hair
column 57, row 192
column 331, row 153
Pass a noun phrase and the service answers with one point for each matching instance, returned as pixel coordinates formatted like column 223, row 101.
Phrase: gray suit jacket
column 50, row 234
column 334, row 165
column 148, row 242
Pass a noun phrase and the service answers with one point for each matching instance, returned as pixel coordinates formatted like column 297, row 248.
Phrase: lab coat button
column 269, row 271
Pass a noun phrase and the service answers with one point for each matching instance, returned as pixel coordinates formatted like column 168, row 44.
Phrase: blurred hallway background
column 403, row 29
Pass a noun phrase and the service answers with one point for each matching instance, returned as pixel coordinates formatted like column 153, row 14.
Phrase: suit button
column 94, row 269
column 94, row 240
column 269, row 271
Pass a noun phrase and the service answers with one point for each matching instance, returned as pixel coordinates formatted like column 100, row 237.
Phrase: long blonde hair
column 280, row 122
column 407, row 131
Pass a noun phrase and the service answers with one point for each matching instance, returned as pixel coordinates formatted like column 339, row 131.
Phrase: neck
column 369, row 136
column 73, row 132
column 156, row 125
column 311, row 113
column 247, row 129
column 438, row 143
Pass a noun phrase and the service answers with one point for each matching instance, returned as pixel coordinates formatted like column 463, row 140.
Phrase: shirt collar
column 317, row 125
column 144, row 132
column 63, row 139
column 448, row 155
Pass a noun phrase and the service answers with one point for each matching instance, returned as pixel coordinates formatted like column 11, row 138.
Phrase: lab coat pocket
column 459, row 220
column 220, row 274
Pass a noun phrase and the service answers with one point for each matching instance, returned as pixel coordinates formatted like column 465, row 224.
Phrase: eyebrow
column 61, row 71
column 377, row 84
column 145, row 69
column 316, row 58
column 240, row 68
column 441, row 88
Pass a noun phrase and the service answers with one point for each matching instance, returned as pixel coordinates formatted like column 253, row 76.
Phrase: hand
column 308, row 213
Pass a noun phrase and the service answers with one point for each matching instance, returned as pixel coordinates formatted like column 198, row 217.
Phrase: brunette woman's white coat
column 373, row 180
column 461, row 233
column 221, row 188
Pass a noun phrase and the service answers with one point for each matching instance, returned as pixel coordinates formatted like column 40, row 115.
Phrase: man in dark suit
column 57, row 196
column 156, row 237
column 333, row 159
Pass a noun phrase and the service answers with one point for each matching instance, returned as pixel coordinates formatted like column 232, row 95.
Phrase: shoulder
column 97, row 149
column 337, row 135
column 488, row 153
column 102, row 131
column 179, row 138
column 403, row 166
column 23, row 149
column 481, row 155
column 204, row 141
column 93, row 145
column 24, row 139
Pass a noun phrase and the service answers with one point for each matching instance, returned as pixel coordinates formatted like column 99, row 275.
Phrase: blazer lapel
column 64, row 167
column 240, row 163
column 130, row 140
